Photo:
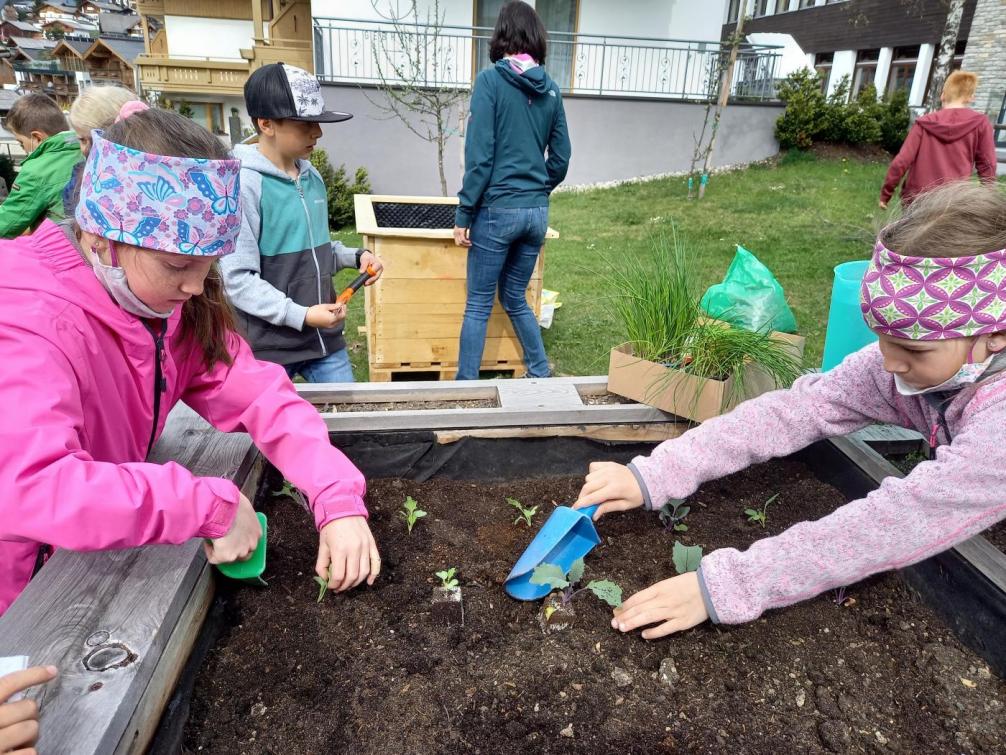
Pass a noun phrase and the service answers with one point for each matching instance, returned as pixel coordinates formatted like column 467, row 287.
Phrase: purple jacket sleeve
column 939, row 504
column 53, row 491
column 259, row 398
column 841, row 401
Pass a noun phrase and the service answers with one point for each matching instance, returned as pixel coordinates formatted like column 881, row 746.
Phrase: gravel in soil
column 370, row 672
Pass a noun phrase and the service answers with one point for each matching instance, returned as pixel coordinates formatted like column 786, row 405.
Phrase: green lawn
column 800, row 217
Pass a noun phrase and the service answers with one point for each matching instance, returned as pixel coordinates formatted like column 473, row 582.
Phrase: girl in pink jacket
column 935, row 293
column 106, row 325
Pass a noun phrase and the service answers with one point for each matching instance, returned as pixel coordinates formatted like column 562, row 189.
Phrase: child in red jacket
column 944, row 146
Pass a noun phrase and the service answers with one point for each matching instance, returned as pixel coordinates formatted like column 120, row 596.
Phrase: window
column 210, row 115
column 806, row 3
column 781, row 6
column 956, row 63
column 732, row 11
column 903, row 69
column 866, row 70
column 822, row 64
column 760, row 8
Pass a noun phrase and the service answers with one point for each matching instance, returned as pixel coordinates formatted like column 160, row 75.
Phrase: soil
column 997, row 535
column 370, row 672
column 392, row 406
column 866, row 153
column 600, row 399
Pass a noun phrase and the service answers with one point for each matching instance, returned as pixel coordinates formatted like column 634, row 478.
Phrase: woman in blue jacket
column 516, row 114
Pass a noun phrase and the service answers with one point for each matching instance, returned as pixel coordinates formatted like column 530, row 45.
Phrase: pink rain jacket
column 941, row 503
column 77, row 417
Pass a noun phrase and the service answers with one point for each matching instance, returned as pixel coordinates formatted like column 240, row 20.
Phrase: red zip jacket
column 942, row 147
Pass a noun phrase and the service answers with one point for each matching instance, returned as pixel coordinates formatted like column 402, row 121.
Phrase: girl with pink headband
column 935, row 293
column 104, row 327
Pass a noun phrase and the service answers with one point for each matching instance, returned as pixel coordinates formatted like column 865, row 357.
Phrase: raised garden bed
column 375, row 671
column 153, row 600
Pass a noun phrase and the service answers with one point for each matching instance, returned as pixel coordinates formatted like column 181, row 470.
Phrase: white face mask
column 968, row 373
column 113, row 278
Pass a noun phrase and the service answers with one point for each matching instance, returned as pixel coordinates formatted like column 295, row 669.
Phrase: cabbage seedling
column 686, row 558
column 672, row 516
column 525, row 514
column 411, row 512
column 553, row 576
column 760, row 516
column 447, row 580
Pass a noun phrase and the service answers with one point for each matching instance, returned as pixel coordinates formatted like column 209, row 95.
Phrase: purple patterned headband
column 173, row 204
column 934, row 298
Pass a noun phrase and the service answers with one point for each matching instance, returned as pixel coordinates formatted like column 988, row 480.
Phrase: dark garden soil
column 867, row 153
column 370, row 672
column 997, row 534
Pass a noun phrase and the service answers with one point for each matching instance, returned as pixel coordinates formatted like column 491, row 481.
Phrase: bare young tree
column 417, row 68
column 948, row 44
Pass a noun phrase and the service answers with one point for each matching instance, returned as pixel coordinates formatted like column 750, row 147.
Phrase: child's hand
column 240, row 541
column 347, row 554
column 674, row 604
column 462, row 236
column 325, row 315
column 19, row 720
column 883, row 204
column 612, row 485
column 369, row 259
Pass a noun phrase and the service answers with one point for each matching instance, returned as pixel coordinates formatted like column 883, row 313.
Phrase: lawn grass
column 801, row 217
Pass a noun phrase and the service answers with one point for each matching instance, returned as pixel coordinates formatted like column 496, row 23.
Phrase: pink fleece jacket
column 77, row 397
column 940, row 503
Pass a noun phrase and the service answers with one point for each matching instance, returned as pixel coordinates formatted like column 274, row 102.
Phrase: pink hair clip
column 131, row 108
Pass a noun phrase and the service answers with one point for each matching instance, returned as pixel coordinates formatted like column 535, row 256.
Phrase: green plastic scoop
column 250, row 571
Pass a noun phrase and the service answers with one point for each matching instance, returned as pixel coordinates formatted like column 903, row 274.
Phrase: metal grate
column 410, row 215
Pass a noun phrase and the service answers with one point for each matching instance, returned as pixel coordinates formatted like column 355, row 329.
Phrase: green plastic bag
column 750, row 297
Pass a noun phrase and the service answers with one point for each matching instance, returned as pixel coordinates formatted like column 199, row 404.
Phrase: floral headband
column 934, row 298
column 181, row 205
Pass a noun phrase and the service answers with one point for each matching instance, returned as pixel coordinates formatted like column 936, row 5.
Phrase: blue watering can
column 568, row 534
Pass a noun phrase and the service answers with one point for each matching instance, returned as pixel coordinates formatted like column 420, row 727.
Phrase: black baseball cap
column 279, row 91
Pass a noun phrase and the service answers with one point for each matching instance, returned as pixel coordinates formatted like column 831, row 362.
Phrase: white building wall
column 843, row 64
column 686, row 19
column 188, row 37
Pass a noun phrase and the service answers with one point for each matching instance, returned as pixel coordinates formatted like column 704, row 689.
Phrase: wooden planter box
column 681, row 393
column 414, row 311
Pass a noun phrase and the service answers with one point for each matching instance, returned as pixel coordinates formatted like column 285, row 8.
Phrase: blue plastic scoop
column 568, row 534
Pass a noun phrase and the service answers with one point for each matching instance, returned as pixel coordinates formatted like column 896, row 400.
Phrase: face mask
column 113, row 278
column 968, row 373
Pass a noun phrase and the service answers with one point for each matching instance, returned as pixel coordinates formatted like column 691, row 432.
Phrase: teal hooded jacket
column 514, row 118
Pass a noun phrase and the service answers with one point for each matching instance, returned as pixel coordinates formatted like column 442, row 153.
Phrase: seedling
column 447, row 580
column 553, row 576
column 322, row 585
column 290, row 491
column 760, row 516
column 411, row 512
column 672, row 515
column 525, row 514
column 686, row 558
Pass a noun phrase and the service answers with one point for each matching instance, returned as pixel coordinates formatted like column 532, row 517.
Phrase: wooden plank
column 438, row 292
column 449, row 419
column 651, row 433
column 396, row 322
column 423, row 258
column 891, row 439
column 538, row 394
column 361, row 393
column 135, row 597
column 389, row 352
column 437, row 373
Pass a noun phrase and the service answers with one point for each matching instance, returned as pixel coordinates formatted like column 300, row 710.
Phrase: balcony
column 192, row 75
column 150, row 7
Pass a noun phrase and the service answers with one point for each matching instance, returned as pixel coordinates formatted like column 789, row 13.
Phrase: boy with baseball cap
column 280, row 277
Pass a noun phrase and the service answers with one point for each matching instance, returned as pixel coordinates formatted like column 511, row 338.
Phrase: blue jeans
column 505, row 246
column 334, row 368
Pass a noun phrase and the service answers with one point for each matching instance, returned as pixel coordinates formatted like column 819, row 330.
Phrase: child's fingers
column 18, row 735
column 590, row 494
column 337, row 572
column 676, row 624
column 375, row 562
column 19, row 681
column 323, row 562
column 641, row 616
column 638, row 598
column 13, row 713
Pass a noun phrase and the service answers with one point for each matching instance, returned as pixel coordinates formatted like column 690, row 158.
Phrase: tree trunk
column 725, row 83
column 440, row 154
column 948, row 42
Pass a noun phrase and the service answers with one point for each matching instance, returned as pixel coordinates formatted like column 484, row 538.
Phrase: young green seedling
column 447, row 580
column 553, row 576
column 290, row 491
column 672, row 515
column 756, row 516
column 525, row 514
column 411, row 512
column 322, row 585
column 686, row 558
